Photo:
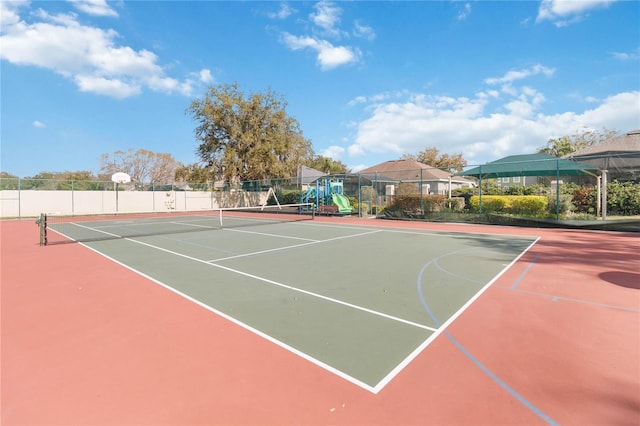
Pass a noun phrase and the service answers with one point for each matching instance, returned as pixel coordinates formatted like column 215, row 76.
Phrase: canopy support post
column 604, row 194
column 558, row 189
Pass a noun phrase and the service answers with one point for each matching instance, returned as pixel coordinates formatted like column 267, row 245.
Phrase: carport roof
column 530, row 165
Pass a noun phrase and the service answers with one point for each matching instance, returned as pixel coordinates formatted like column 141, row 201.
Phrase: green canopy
column 530, row 165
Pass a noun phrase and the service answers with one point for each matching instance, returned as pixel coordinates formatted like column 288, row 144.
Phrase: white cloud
column 357, row 167
column 283, row 13
column 620, row 111
column 516, row 75
column 326, row 25
column 87, row 55
column 334, row 152
column 327, row 17
column 94, row 7
column 328, row 55
column 363, row 31
column 378, row 97
column 566, row 12
column 464, row 13
column 39, row 124
column 480, row 130
column 9, row 12
column 205, row 76
column 626, row 56
column 115, row 88
column 526, row 103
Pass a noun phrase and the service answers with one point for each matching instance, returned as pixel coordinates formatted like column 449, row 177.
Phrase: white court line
column 98, row 227
column 288, row 287
column 247, row 327
column 93, row 229
column 311, row 242
column 267, row 234
column 374, row 389
column 447, row 323
column 195, row 225
column 419, row 231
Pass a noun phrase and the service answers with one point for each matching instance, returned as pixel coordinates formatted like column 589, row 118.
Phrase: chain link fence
column 413, row 194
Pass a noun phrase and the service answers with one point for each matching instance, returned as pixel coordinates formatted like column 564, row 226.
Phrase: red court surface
column 86, row 341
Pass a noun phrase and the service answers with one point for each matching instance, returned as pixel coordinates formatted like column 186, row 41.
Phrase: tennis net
column 60, row 229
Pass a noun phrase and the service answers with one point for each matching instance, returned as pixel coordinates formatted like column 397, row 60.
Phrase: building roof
column 307, row 175
column 410, row 170
column 619, row 155
column 530, row 165
column 629, row 142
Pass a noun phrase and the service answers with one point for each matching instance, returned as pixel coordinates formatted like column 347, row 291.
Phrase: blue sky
column 368, row 81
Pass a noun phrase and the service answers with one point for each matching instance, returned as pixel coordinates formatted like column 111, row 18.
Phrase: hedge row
column 529, row 205
column 426, row 203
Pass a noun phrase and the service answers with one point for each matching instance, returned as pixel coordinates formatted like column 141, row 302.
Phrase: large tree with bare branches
column 142, row 165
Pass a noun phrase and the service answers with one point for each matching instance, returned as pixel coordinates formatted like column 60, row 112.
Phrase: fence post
column 73, row 200
column 375, row 178
column 604, row 194
column 480, row 189
column 19, row 206
column 421, row 194
column 558, row 189
column 359, row 197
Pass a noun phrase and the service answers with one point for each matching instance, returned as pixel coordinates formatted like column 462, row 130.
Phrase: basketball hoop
column 117, row 179
column 120, row 177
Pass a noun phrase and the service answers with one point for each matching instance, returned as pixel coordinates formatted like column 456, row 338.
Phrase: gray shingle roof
column 410, row 170
column 629, row 142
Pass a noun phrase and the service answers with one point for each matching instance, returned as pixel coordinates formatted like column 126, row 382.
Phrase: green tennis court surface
column 359, row 301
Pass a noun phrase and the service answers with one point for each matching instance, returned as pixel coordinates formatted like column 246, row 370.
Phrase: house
column 428, row 180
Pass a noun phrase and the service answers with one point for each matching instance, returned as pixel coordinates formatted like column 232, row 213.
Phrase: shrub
column 565, row 206
column 623, row 198
column 584, row 199
column 433, row 202
column 407, row 188
column 455, row 204
column 415, row 203
column 286, row 196
column 529, row 205
column 490, row 203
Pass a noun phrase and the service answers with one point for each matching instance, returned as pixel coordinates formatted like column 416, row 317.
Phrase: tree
column 8, row 181
column 78, row 180
column 559, row 147
column 431, row 157
column 327, row 165
column 194, row 173
column 142, row 165
column 247, row 138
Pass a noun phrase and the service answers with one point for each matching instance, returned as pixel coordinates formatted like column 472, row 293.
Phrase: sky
column 368, row 81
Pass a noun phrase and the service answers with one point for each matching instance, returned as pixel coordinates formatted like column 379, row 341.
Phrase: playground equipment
column 328, row 192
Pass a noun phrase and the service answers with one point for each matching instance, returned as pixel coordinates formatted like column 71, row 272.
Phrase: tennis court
column 270, row 320
column 358, row 301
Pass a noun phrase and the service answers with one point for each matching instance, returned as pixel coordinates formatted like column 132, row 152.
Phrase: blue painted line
column 525, row 272
column 555, row 298
column 423, row 300
column 473, row 359
column 499, row 381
